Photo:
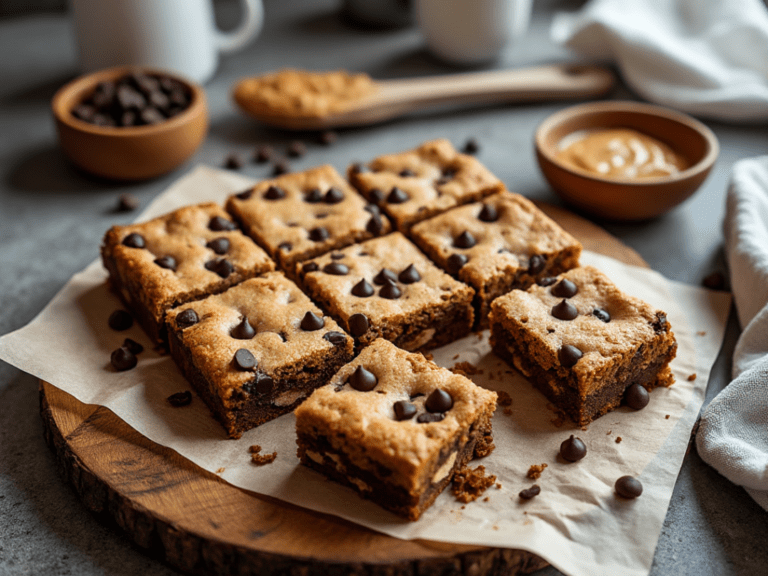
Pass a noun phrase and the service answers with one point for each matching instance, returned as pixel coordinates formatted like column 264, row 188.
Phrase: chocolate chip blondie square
column 395, row 427
column 582, row 342
column 176, row 258
column 387, row 288
column 501, row 244
column 257, row 350
column 301, row 215
column 415, row 185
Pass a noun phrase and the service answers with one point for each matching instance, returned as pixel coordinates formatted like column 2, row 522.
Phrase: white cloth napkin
column 733, row 436
column 706, row 57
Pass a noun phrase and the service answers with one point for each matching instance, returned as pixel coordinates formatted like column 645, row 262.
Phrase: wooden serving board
column 203, row 525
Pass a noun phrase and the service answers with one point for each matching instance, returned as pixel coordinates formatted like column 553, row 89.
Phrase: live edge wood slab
column 202, row 525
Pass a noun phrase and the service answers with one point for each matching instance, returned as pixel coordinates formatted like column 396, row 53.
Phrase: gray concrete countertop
column 52, row 218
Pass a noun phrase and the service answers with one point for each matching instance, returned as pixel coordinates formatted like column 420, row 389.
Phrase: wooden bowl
column 133, row 152
column 626, row 199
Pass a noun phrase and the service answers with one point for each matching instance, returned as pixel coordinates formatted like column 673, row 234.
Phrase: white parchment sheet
column 576, row 523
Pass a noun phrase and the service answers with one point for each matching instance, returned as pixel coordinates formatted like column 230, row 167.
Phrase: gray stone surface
column 52, row 218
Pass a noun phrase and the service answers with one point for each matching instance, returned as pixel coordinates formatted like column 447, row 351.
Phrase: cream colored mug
column 174, row 35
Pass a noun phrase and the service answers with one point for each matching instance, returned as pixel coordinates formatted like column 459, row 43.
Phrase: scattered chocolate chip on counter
column 636, row 397
column 120, row 320
column 471, row 146
column 628, row 487
column 123, row 359
column 281, row 167
column 296, row 149
column 573, row 449
column 469, row 484
column 263, row 154
column 233, row 162
column 180, row 399
column 328, row 137
column 127, row 203
column 534, row 472
column 133, row 346
column 531, row 492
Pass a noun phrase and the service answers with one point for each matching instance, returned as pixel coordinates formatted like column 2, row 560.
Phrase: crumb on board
column 618, row 439
column 498, row 485
column 609, row 432
column 486, row 499
column 692, row 377
column 261, row 459
column 666, row 417
column 504, row 398
column 534, row 472
column 465, row 369
column 470, row 483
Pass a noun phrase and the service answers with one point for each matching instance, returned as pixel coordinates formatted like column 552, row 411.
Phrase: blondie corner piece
column 500, row 244
column 179, row 257
column 415, row 185
column 257, row 350
column 582, row 342
column 305, row 214
column 395, row 427
column 387, row 288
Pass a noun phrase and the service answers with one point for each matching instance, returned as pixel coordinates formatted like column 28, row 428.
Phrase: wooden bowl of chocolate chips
column 130, row 123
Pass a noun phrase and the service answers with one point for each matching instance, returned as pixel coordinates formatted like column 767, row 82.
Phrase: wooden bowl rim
column 64, row 100
column 712, row 146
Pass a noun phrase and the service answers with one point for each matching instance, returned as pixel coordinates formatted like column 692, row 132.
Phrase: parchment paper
column 576, row 523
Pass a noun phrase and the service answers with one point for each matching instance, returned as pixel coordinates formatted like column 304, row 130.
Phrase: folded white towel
column 706, row 57
column 733, row 436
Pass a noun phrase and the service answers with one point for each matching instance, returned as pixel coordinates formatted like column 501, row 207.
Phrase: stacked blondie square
column 315, row 293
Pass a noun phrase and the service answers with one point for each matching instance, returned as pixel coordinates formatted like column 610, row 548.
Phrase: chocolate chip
column 464, row 240
column 471, row 146
column 318, row 234
column 385, row 276
column 245, row 194
column 261, row 385
column 328, row 137
column 263, row 154
column 285, row 246
column 362, row 289
column 375, row 225
column 376, row 195
column 407, row 173
column 372, row 208
column 337, row 256
column 219, row 224
column 569, row 355
column 243, row 331
column 426, row 418
column 244, row 360
column 120, row 320
column 546, row 281
column 714, row 281
column 281, row 167
column 488, row 213
column 311, row 322
column 180, row 399
column 127, row 97
column 219, row 245
column 636, row 397
column 233, row 162
column 358, row 325
column 151, row 115
column 363, row 380
column 123, row 359
column 84, row 112
column 628, row 487
column 390, row 291
column 313, row 196
column 133, row 346
column 446, row 176
column 296, row 149
column 336, row 269
column 660, row 324
column 134, row 240
column 438, row 401
column 187, row 318
column 564, row 310
column 359, row 168
column 127, row 203
column 573, row 449
column 168, row 262
column 220, row 266
column 404, row 410
column 333, row 196
column 531, row 492
column 409, row 275
column 274, row 193
column 601, row 314
column 536, row 264
column 397, row 196
column 310, row 267
column 564, row 289
column 456, row 262
column 336, row 338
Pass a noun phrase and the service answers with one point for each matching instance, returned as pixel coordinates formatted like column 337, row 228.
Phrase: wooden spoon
column 393, row 98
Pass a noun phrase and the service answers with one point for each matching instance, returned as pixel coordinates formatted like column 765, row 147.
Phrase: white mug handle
column 253, row 18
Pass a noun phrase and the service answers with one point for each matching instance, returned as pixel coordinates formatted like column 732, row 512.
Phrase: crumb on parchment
column 618, row 439
column 470, row 483
column 466, row 369
column 692, row 377
column 261, row 459
column 534, row 472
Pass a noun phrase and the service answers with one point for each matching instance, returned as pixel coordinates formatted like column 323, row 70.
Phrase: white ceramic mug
column 471, row 31
column 175, row 35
